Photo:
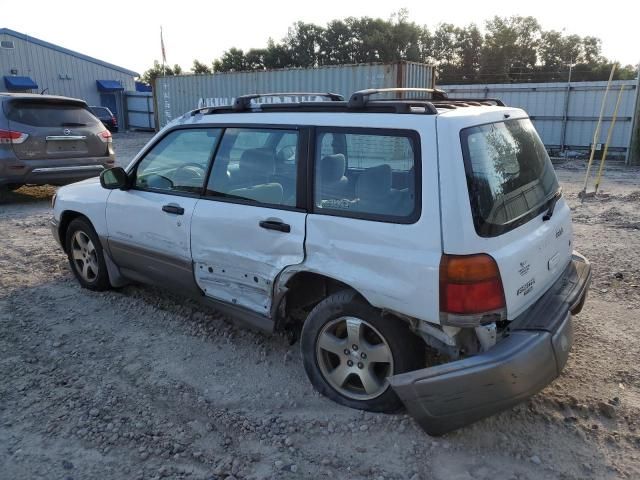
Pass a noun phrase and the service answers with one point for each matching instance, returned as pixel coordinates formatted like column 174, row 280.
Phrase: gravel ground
column 137, row 384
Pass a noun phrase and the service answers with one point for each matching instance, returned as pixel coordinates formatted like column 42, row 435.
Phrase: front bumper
column 449, row 396
column 55, row 230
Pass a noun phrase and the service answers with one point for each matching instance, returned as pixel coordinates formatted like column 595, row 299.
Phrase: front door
column 249, row 227
column 149, row 225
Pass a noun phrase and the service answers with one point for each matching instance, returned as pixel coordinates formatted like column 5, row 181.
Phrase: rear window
column 509, row 175
column 50, row 115
column 101, row 112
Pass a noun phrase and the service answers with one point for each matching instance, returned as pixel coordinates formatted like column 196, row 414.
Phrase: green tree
column 303, row 43
column 158, row 71
column 233, row 60
column 200, row 68
column 510, row 48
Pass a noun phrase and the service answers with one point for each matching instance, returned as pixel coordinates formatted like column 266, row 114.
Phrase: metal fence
column 139, row 111
column 566, row 115
column 176, row 95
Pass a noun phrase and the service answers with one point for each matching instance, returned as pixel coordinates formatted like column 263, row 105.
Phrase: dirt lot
column 134, row 383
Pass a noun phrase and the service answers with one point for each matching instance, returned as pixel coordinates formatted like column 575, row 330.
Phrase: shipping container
column 176, row 95
column 564, row 114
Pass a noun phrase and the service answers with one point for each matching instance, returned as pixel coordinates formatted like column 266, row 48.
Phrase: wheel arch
column 66, row 217
column 299, row 289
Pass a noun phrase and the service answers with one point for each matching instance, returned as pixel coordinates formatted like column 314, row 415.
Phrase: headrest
column 332, row 168
column 374, row 182
column 257, row 161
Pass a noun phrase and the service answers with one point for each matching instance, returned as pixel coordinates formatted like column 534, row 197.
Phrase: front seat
column 255, row 167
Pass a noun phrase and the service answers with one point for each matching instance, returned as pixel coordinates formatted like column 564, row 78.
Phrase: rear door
column 503, row 188
column 250, row 225
column 57, row 129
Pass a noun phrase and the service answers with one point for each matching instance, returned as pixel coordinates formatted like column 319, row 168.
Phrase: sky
column 127, row 33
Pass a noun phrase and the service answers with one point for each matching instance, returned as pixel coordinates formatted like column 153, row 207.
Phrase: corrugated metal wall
column 559, row 111
column 140, row 115
column 58, row 72
column 179, row 94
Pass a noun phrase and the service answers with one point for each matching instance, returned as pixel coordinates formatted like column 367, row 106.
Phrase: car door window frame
column 302, row 159
column 413, row 135
column 132, row 169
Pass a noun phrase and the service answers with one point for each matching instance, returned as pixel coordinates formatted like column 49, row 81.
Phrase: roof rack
column 359, row 102
column 478, row 101
column 243, row 102
column 360, row 98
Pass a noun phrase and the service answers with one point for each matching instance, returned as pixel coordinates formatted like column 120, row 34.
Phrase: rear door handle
column 276, row 225
column 172, row 208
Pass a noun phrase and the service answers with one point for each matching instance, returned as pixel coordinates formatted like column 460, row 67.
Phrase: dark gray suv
column 47, row 139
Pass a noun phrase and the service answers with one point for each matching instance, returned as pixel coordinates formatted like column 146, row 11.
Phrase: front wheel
column 350, row 349
column 85, row 254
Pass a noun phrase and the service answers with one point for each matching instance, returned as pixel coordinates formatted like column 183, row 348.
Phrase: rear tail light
column 12, row 137
column 115, row 120
column 471, row 291
column 105, row 136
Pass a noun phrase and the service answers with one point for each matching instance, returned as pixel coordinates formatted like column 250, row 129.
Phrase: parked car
column 376, row 230
column 107, row 118
column 46, row 139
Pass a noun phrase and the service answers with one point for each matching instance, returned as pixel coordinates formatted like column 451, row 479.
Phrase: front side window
column 366, row 175
column 178, row 162
column 509, row 174
column 258, row 165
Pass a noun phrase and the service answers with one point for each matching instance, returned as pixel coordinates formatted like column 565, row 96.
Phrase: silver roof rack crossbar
column 360, row 98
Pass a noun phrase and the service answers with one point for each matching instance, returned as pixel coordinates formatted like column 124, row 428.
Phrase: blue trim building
column 28, row 64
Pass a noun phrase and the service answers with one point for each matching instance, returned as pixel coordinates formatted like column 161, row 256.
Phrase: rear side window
column 509, row 175
column 367, row 174
column 50, row 115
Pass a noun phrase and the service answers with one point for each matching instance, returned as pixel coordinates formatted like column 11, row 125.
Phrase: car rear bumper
column 52, row 171
column 446, row 397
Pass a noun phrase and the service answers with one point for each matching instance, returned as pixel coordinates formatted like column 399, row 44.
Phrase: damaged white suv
column 420, row 247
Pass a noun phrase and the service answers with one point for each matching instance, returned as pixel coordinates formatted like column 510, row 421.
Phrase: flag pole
column 164, row 55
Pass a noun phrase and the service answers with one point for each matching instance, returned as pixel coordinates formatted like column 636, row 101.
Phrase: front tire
column 85, row 255
column 349, row 349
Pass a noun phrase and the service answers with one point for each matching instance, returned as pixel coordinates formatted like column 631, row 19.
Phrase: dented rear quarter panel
column 394, row 266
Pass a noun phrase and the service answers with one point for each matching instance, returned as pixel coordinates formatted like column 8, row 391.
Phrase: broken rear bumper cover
column 446, row 397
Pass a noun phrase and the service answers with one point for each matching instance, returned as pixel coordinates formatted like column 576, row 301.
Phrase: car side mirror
column 114, row 178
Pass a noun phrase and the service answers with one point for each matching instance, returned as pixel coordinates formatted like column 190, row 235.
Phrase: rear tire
column 85, row 255
column 349, row 349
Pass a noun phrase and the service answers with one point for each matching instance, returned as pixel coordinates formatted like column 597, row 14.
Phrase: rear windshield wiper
column 552, row 205
column 73, row 124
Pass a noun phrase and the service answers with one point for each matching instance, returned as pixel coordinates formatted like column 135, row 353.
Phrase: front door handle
column 173, row 208
column 276, row 225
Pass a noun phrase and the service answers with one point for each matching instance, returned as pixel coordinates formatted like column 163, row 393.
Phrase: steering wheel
column 192, row 167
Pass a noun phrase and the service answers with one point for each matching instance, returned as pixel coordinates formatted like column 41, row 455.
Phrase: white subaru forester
column 419, row 247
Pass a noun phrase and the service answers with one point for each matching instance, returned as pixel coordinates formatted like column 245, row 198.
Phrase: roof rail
column 243, row 102
column 480, row 101
column 360, row 98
